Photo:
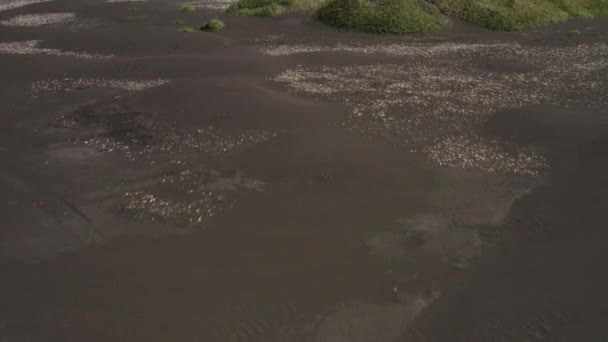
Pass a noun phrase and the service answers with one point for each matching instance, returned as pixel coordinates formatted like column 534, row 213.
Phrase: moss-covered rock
column 213, row 25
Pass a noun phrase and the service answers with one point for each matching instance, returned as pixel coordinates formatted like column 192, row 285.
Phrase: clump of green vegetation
column 134, row 14
column 188, row 8
column 402, row 16
column 269, row 8
column 307, row 6
column 405, row 16
column 515, row 15
column 187, row 29
column 258, row 8
column 213, row 25
column 381, row 16
column 179, row 22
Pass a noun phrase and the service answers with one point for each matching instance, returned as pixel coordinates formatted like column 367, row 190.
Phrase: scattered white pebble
column 6, row 5
column 31, row 47
column 489, row 155
column 435, row 100
column 402, row 49
column 70, row 84
column 212, row 4
column 42, row 19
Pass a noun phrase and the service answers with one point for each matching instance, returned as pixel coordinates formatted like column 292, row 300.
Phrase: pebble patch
column 43, row 19
column 31, row 47
column 6, row 5
column 491, row 155
column 187, row 192
column 420, row 50
column 188, row 197
column 72, row 84
column 145, row 205
column 212, row 4
column 435, row 104
column 137, row 136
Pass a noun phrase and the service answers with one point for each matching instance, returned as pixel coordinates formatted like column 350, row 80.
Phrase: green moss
column 187, row 29
column 306, row 6
column 583, row 8
column 259, row 8
column 213, row 25
column 381, row 16
column 268, row 8
column 188, row 8
column 134, row 14
column 515, row 15
column 179, row 22
column 404, row 16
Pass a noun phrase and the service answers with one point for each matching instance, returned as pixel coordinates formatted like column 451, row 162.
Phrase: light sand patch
column 371, row 322
column 361, row 321
column 71, row 84
column 6, row 5
column 31, row 47
column 476, row 197
column 439, row 236
column 466, row 203
column 42, row 19
column 428, row 235
column 72, row 153
column 434, row 104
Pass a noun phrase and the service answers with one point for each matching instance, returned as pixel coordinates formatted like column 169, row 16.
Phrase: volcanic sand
column 282, row 181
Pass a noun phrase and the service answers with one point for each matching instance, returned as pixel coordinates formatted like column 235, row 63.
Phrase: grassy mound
column 405, row 16
column 515, row 15
column 381, row 16
column 213, row 25
column 268, row 8
column 258, row 8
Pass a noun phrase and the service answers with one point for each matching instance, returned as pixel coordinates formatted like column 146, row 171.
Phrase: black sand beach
column 284, row 181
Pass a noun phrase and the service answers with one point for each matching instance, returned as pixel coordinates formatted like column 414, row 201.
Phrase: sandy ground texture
column 283, row 181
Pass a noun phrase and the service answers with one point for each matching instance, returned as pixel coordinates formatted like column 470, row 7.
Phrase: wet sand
column 282, row 181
